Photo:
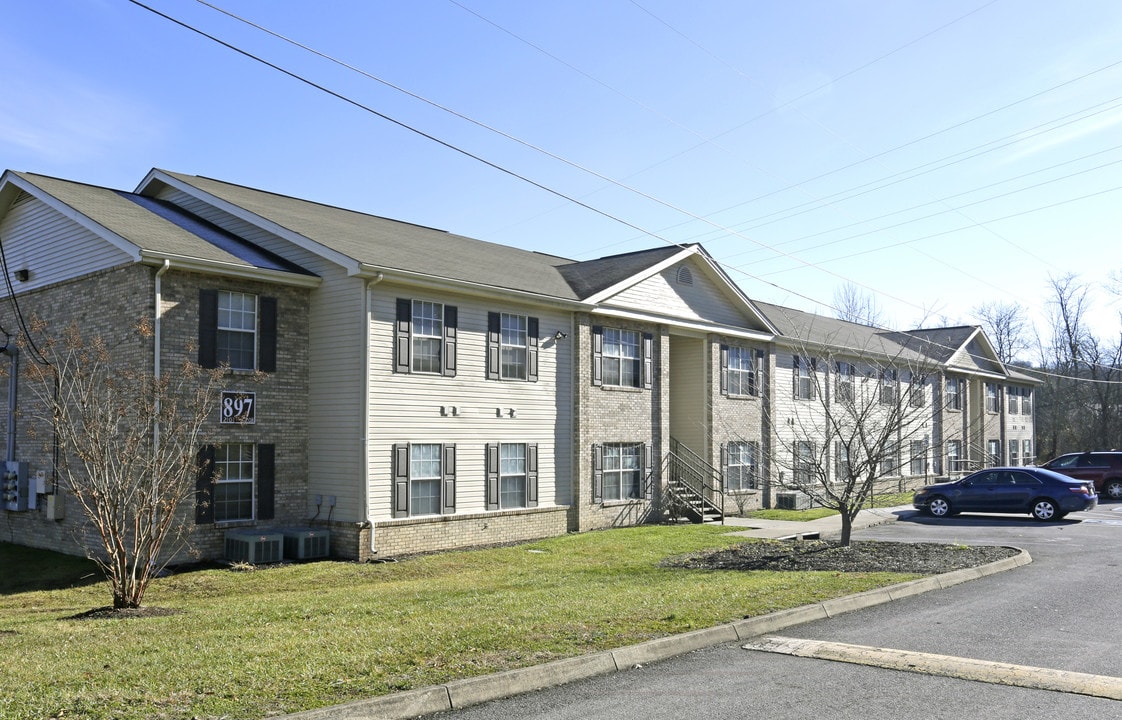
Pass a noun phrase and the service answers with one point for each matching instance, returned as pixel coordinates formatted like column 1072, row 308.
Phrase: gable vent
column 685, row 277
column 21, row 198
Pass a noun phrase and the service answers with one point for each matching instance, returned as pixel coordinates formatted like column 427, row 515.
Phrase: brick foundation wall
column 410, row 536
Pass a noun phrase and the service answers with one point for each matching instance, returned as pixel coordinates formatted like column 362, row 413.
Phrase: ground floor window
column 803, row 465
column 1014, row 446
column 954, row 455
column 424, row 479
column 233, row 492
column 622, row 467
column 742, row 465
column 919, row 458
column 843, row 469
column 1027, row 445
column 512, row 475
column 993, row 450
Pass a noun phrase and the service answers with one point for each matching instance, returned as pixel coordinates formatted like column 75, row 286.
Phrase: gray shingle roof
column 396, row 245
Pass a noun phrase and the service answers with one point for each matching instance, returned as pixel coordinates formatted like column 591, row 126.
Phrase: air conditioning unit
column 306, row 544
column 792, row 501
column 255, row 548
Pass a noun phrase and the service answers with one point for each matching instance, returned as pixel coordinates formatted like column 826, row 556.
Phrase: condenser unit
column 792, row 501
column 255, row 548
column 306, row 544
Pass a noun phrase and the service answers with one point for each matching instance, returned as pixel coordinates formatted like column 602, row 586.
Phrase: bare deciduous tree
column 856, row 416
column 127, row 444
column 854, row 305
column 1006, row 325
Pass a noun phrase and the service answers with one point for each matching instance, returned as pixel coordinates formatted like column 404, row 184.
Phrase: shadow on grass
column 30, row 569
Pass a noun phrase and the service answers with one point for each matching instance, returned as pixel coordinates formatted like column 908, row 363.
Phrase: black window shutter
column 449, row 489
column 267, row 343
column 532, row 349
column 401, row 480
column 532, row 475
column 494, row 334
column 756, row 381
column 266, row 481
column 402, row 335
column 648, row 471
column 725, row 370
column 208, row 328
column 597, row 355
column 204, row 486
column 724, row 462
column 795, row 390
column 492, row 476
column 648, row 360
column 450, row 329
column 597, row 473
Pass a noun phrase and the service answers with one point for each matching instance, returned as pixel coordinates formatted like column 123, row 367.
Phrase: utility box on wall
column 14, row 487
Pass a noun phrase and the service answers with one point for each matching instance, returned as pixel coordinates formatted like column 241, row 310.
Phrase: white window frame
column 992, row 405
column 622, row 470
column 954, row 398
column 514, row 346
column 622, row 358
column 233, row 468
column 742, row 471
column 427, row 332
column 237, row 321
column 804, row 378
column 423, row 457
column 844, row 383
column 513, row 476
column 741, row 371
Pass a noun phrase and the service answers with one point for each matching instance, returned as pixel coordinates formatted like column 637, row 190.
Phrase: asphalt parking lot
column 1057, row 614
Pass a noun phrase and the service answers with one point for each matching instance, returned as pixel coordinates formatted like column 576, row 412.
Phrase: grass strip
column 294, row 637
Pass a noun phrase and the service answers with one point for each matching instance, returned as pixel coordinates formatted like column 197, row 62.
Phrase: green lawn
column 892, row 500
column 294, row 637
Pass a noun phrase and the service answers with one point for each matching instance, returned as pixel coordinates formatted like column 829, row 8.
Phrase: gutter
column 367, row 401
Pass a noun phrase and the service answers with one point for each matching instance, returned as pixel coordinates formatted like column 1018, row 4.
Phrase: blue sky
column 939, row 155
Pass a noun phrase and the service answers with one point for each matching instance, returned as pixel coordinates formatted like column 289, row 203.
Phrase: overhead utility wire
column 519, row 141
column 399, row 123
column 450, row 146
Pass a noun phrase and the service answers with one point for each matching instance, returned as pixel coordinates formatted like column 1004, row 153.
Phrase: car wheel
column 938, row 506
column 1045, row 509
column 1113, row 489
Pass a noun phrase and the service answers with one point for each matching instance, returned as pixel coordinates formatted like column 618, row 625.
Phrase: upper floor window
column 991, row 397
column 804, row 377
column 844, row 381
column 238, row 330
column 917, row 395
column 738, row 371
column 512, row 347
column 954, row 394
column 621, row 358
column 1026, row 401
column 1011, row 400
column 425, row 337
column 888, row 386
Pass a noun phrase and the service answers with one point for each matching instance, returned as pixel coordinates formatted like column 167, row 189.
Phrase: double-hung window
column 236, row 482
column 424, row 479
column 425, row 337
column 993, row 449
column 738, row 371
column 742, row 460
column 954, row 455
column 237, row 330
column 888, row 386
column 621, row 357
column 843, row 469
column 804, row 377
column 1026, row 401
column 804, row 463
column 512, row 475
column 512, row 347
column 917, row 395
column 991, row 397
column 844, row 382
column 622, row 471
column 954, row 394
column 1011, row 400
column 1014, row 447
column 919, row 458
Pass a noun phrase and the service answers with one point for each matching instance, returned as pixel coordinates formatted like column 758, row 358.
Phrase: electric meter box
column 15, row 491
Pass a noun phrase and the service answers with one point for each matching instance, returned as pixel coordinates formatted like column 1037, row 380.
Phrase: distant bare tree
column 854, row 305
column 856, row 415
column 1006, row 325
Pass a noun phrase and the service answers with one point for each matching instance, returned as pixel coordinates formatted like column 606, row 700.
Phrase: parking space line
column 947, row 666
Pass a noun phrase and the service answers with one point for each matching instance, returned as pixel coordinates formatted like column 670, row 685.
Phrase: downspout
column 157, row 338
column 367, row 401
column 13, row 386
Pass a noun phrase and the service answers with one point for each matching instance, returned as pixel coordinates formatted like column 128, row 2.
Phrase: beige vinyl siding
column 689, row 399
column 336, row 402
column 51, row 246
column 406, row 407
column 701, row 301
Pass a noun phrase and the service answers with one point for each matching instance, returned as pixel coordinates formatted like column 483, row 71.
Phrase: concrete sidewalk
column 827, row 528
column 459, row 694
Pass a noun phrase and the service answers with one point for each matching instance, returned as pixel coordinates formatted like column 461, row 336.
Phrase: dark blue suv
column 1044, row 494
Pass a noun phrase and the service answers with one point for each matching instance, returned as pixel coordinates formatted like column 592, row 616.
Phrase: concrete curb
column 459, row 694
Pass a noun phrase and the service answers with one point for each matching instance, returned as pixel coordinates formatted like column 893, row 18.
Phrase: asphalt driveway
column 1057, row 614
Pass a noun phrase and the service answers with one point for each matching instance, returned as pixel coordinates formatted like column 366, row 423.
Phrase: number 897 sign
column 238, row 408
